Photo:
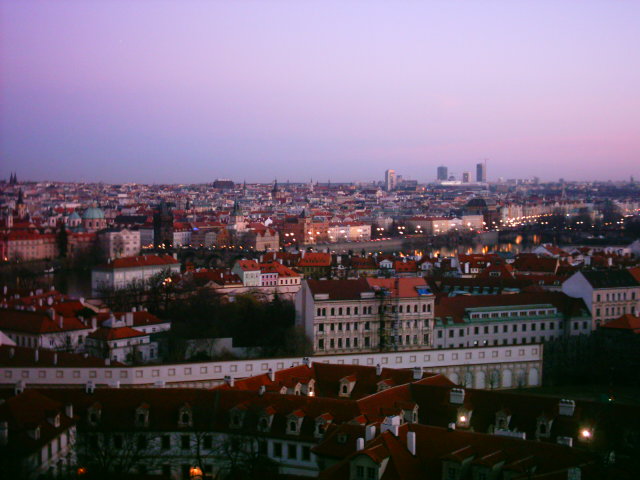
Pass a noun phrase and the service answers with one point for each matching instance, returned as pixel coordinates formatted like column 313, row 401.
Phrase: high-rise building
column 466, row 177
column 390, row 180
column 443, row 173
column 481, row 172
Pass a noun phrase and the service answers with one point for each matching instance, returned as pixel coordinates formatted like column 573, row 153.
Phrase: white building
column 116, row 243
column 123, row 272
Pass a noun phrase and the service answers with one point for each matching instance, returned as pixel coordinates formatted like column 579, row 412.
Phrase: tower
column 390, row 180
column 443, row 173
column 481, row 172
column 163, row 225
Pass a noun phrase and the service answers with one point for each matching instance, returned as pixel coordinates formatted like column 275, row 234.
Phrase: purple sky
column 189, row 91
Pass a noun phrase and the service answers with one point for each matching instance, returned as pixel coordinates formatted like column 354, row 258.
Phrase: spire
column 275, row 186
column 20, row 197
column 236, row 209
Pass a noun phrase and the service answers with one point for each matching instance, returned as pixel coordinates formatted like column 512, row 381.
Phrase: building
column 131, row 271
column 466, row 177
column 93, row 219
column 608, row 294
column 116, row 243
column 366, row 314
column 443, row 173
column 117, row 339
column 37, row 436
column 481, row 172
column 390, row 180
column 519, row 318
column 28, row 245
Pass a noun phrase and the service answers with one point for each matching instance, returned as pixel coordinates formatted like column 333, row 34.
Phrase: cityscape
column 285, row 241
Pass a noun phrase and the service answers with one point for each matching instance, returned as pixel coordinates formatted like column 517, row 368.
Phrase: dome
column 93, row 213
column 74, row 216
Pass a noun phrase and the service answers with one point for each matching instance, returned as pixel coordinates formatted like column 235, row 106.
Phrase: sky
column 186, row 91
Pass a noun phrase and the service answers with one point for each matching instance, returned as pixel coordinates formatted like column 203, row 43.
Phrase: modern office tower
column 466, row 177
column 481, row 172
column 443, row 173
column 390, row 180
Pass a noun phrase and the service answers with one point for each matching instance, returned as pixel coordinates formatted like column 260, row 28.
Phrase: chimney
column 411, row 442
column 261, row 390
column 55, row 358
column 12, row 352
column 229, row 380
column 89, row 387
column 369, row 432
column 378, row 370
column 609, row 261
column 359, row 443
column 19, row 387
column 451, row 427
column 36, row 355
column 133, row 309
column 107, row 362
column 306, row 361
column 4, row 432
column 417, row 373
column 456, row 396
column 68, row 410
column 60, row 321
column 272, row 376
column 566, row 407
column 52, row 313
column 128, row 319
column 94, row 323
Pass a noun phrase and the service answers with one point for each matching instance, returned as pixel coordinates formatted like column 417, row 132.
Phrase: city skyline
column 174, row 93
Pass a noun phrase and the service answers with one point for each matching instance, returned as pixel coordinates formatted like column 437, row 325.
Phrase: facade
column 520, row 318
column 608, row 293
column 116, row 243
column 249, row 272
column 28, row 245
column 119, row 341
column 123, row 272
column 372, row 314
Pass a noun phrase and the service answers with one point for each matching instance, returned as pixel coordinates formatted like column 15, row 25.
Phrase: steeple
column 275, row 186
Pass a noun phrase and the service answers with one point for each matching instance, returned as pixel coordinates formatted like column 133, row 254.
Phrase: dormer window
column 142, row 416
column 543, row 427
column 344, row 390
column 93, row 415
column 503, row 418
column 185, row 416
column 293, row 426
column 55, row 420
column 464, row 418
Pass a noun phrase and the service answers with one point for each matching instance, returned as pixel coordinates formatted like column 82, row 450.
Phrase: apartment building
column 123, row 272
column 483, row 320
column 366, row 314
column 608, row 294
column 116, row 243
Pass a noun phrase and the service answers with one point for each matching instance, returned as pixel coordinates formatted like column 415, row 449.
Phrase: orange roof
column 140, row 261
column 117, row 333
column 625, row 322
column 399, row 287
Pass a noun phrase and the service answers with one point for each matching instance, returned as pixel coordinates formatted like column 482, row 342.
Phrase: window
column 292, row 451
column 321, row 344
column 505, row 328
column 185, row 442
column 372, row 473
column 366, row 341
column 450, row 333
column 359, row 471
column 321, row 327
column 277, row 449
column 306, row 453
column 476, row 330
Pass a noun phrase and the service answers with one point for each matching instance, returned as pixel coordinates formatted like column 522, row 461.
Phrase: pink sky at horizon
column 182, row 91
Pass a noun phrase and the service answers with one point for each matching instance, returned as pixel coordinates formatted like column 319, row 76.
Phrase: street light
column 195, row 473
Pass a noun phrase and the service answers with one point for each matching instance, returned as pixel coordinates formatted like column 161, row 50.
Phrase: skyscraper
column 443, row 173
column 466, row 177
column 390, row 180
column 481, row 172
